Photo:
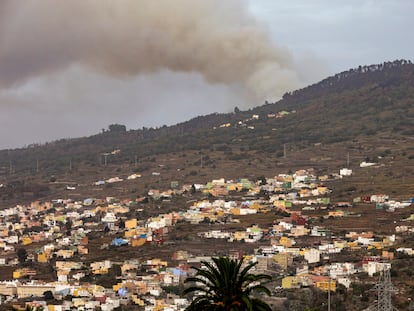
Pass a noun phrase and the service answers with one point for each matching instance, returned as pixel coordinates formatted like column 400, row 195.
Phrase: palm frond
column 224, row 284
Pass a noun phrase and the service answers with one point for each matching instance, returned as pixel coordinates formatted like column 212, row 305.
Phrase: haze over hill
column 143, row 64
column 218, row 43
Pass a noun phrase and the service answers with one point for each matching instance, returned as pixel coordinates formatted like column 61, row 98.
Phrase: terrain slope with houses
column 357, row 115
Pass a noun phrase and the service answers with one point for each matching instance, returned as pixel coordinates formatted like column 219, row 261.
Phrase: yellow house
column 290, row 282
column 102, row 270
column 118, row 286
column 78, row 302
column 96, row 290
column 286, row 242
column 159, row 305
column 240, row 235
column 126, row 267
column 279, row 203
column 23, row 272
column 26, row 240
column 62, row 272
column 377, row 245
column 17, row 274
column 235, row 211
column 304, row 192
column 138, row 301
column 340, row 244
column 327, row 284
column 220, row 213
column 284, row 260
column 233, row 187
column 135, row 242
column 323, row 177
column 130, row 233
column 322, row 189
column 65, row 253
column 18, row 227
column 386, row 242
column 353, row 244
column 131, row 224
column 42, row 257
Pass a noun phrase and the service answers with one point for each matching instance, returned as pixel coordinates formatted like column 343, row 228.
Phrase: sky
column 71, row 68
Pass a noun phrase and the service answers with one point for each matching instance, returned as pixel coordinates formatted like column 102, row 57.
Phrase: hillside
column 357, row 115
column 365, row 114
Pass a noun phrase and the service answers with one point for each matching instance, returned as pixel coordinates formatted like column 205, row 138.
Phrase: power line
column 384, row 290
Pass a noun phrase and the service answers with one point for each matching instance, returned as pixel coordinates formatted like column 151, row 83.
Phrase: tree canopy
column 227, row 284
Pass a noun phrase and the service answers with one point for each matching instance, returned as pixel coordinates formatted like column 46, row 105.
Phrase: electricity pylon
column 384, row 289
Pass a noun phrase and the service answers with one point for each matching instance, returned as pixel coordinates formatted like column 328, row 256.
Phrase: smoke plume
column 217, row 39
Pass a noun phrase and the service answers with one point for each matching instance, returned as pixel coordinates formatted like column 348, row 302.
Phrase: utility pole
column 329, row 288
column 37, row 165
column 329, row 293
column 105, row 157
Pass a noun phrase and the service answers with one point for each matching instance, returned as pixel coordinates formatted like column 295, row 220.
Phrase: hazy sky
column 71, row 68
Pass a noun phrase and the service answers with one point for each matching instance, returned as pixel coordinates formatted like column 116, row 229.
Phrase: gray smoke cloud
column 216, row 39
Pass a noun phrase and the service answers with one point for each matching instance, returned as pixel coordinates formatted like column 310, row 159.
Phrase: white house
column 345, row 172
column 312, row 255
column 109, row 218
column 373, row 267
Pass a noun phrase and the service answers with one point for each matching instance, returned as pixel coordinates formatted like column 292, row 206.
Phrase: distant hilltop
column 356, row 77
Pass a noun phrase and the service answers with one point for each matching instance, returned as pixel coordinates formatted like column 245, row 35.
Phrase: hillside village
column 49, row 249
column 310, row 187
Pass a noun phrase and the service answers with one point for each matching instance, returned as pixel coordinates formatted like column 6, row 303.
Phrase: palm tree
column 225, row 285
